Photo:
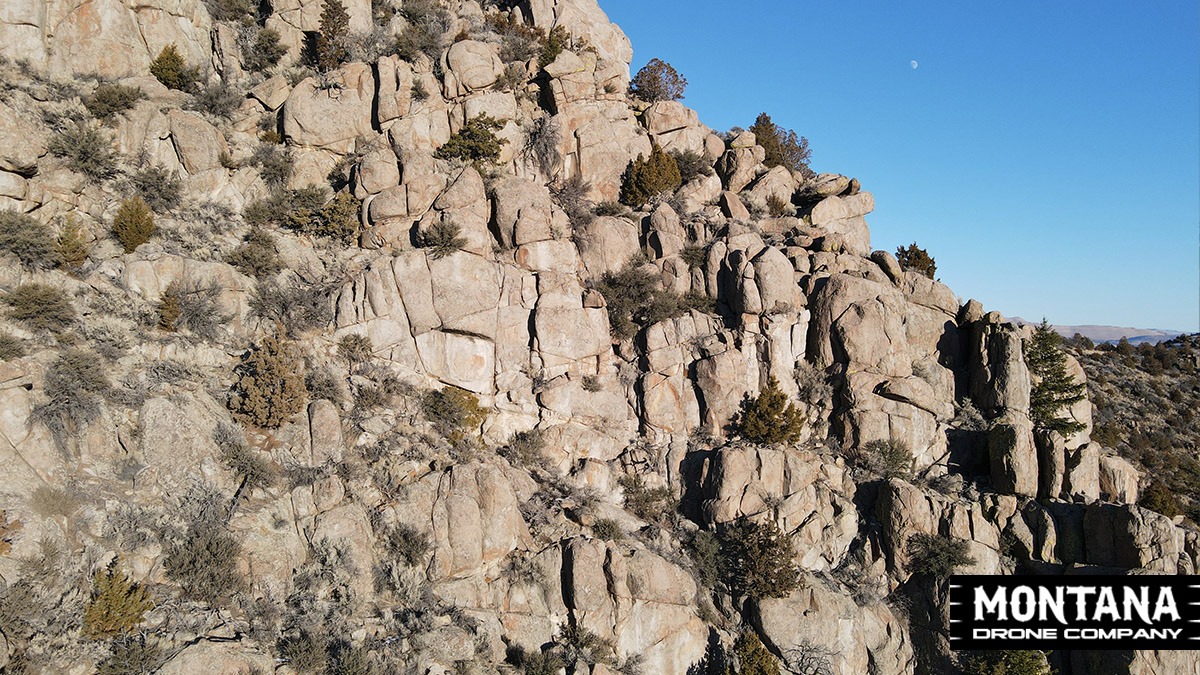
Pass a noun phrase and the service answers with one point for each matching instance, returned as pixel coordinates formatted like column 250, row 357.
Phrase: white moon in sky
column 914, row 64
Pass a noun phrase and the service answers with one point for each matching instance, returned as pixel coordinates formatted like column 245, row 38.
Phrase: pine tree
column 1054, row 389
column 783, row 146
column 331, row 38
column 647, row 177
column 270, row 386
column 117, row 605
column 917, row 259
column 770, row 417
column 752, row 657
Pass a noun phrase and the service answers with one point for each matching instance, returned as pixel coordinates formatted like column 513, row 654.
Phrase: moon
column 914, row 64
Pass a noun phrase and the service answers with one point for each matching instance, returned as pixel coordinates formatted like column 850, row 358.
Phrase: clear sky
column 1047, row 154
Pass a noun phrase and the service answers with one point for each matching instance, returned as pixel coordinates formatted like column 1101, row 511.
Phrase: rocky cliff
column 473, row 415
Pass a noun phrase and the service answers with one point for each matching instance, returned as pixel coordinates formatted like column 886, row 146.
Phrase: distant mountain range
column 1102, row 334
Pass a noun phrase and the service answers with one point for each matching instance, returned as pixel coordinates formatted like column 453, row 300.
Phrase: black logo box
column 1074, row 612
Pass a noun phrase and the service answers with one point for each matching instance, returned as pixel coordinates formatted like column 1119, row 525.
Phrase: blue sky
column 1046, row 154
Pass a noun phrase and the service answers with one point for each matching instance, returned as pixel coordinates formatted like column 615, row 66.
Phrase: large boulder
column 636, row 599
column 1013, row 457
column 1118, row 479
column 24, row 142
column 333, row 117
column 470, row 66
column 585, row 17
column 999, row 379
column 803, row 492
column 821, row 622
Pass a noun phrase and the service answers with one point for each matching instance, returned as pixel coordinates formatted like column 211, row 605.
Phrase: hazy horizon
column 1047, row 156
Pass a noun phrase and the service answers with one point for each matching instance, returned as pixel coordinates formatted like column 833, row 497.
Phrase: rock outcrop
column 518, row 430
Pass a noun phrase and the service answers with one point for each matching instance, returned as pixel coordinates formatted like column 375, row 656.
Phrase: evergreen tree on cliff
column 1054, row 388
column 330, row 44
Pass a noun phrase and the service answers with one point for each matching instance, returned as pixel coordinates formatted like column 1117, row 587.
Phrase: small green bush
column 11, row 347
column 607, row 529
column 275, row 164
column 646, row 178
column 936, row 557
column 756, row 560
column 306, row 211
column 753, row 657
column 771, row 417
column 270, row 384
column 442, row 239
column 783, row 146
column 1009, row 662
column 475, row 142
column 658, row 81
column 134, row 223
column 704, row 548
column 117, row 605
column 170, row 69
column 917, row 259
column 553, row 45
column 204, row 563
column 131, row 656
column 650, row 504
column 256, row 256
column 217, row 99
column 110, row 100
column 692, row 164
column 237, row 11
column 87, row 150
column 636, row 300
column 265, row 52
column 71, row 245
column 890, row 458
column 355, row 348
column 40, row 307
column 454, row 412
column 27, row 239
column 1160, row 498
column 159, row 188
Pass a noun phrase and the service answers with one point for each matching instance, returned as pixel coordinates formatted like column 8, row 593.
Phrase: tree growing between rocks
column 117, row 605
column 270, row 386
column 771, row 417
column 756, row 560
column 170, row 69
column 1054, row 388
column 916, row 259
column 329, row 45
column 646, row 178
column 134, row 223
column 784, row 147
column 658, row 81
